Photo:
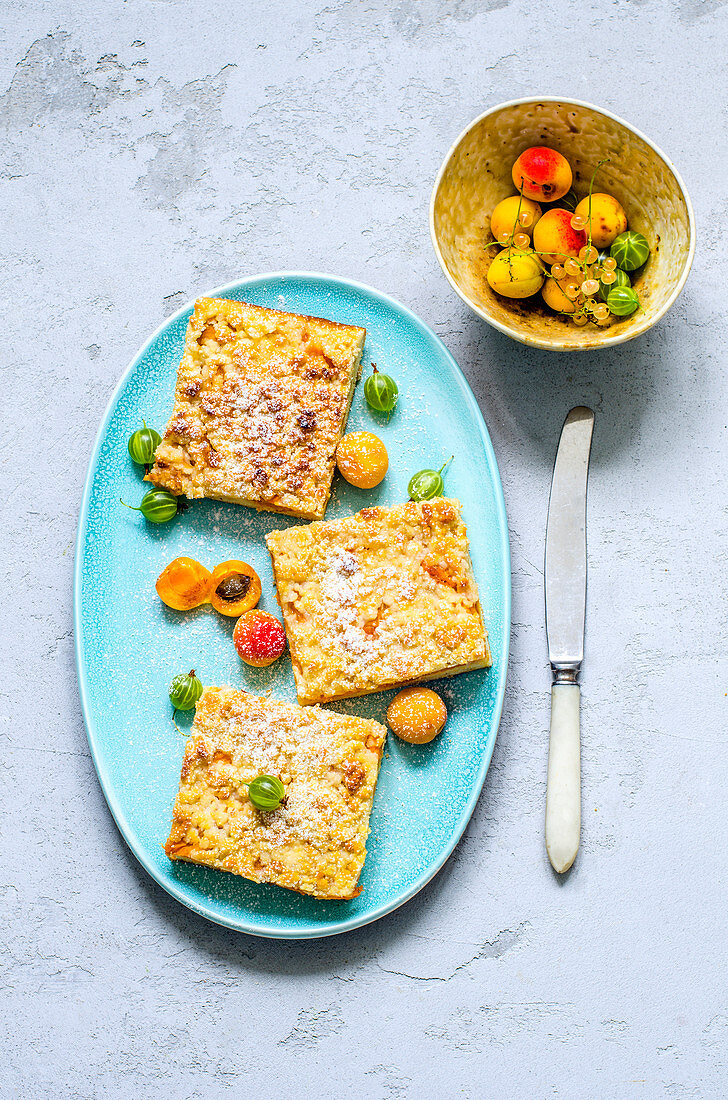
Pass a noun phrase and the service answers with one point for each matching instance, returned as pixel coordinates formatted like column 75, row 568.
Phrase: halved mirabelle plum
column 234, row 588
column 184, row 584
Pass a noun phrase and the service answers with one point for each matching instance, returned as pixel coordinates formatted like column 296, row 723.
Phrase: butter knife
column 565, row 589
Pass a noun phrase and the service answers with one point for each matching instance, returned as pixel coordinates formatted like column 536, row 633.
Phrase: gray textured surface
column 154, row 150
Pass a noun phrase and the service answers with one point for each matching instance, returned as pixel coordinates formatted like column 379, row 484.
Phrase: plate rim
column 329, row 928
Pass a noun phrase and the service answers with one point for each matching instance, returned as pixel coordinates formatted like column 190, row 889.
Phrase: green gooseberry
column 142, row 445
column 380, row 391
column 158, row 506
column 185, row 690
column 266, row 792
column 621, row 279
column 630, row 250
column 622, row 301
column 427, row 484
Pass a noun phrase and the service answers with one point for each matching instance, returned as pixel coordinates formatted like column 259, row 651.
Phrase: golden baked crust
column 315, row 841
column 382, row 598
column 261, row 402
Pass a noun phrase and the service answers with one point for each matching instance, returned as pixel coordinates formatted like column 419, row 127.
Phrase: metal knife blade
column 565, row 568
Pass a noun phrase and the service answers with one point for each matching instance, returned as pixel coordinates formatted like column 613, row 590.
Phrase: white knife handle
column 563, row 784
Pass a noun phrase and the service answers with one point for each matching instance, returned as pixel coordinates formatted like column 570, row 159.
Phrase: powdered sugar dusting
column 340, row 590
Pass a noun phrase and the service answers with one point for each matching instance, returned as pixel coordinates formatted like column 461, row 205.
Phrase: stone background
column 153, row 150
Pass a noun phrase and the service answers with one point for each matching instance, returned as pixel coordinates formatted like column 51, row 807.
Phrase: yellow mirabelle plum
column 514, row 213
column 608, row 218
column 516, row 273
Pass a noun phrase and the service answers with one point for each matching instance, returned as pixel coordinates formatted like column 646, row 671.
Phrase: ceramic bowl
column 476, row 175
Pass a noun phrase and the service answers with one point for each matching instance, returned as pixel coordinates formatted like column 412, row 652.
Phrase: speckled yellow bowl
column 476, row 175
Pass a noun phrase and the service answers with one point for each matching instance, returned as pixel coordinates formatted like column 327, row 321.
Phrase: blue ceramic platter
column 129, row 645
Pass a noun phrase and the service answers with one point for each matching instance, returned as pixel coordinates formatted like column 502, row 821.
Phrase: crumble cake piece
column 314, row 842
column 261, row 402
column 382, row 598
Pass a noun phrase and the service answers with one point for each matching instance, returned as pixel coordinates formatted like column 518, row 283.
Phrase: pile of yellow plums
column 557, row 250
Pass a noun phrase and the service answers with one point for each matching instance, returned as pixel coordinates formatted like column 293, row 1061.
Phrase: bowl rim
column 527, row 338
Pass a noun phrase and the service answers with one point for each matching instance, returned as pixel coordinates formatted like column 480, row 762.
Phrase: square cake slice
column 328, row 763
column 261, row 402
column 382, row 598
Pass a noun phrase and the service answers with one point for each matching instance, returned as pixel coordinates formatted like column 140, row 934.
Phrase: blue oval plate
column 129, row 645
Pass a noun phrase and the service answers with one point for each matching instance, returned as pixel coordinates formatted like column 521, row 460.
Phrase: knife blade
column 565, row 591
